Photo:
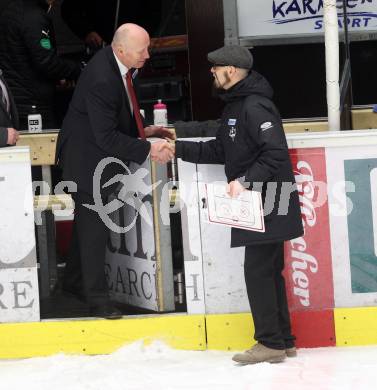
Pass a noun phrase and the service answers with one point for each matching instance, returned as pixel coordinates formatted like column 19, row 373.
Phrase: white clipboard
column 243, row 212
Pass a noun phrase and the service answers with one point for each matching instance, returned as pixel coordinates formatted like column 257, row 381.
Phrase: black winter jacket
column 28, row 56
column 251, row 143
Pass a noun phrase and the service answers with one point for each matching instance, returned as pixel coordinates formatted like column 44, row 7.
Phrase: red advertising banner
column 314, row 328
column 308, row 266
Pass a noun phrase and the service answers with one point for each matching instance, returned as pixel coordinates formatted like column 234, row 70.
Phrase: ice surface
column 158, row 367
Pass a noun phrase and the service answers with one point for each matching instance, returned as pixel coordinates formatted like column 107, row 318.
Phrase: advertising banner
column 308, row 269
column 268, row 18
column 139, row 266
column 19, row 295
column 353, row 221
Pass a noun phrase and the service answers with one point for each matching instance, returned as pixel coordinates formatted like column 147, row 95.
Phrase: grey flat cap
column 238, row 56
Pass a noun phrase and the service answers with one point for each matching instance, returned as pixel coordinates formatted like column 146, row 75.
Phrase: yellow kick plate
column 100, row 336
column 356, row 326
column 230, row 332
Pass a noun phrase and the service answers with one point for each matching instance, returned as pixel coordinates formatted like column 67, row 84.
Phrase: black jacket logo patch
column 266, row 125
column 232, row 133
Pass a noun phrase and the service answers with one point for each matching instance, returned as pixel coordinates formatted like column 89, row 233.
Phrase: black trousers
column 266, row 291
column 85, row 268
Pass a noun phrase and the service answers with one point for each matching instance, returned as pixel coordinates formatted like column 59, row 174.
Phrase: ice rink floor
column 158, row 367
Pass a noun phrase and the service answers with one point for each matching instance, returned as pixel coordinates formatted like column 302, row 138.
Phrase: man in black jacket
column 8, row 115
column 29, row 60
column 102, row 121
column 251, row 144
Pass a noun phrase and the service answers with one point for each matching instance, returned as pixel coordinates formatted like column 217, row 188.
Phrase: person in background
column 94, row 21
column 8, row 115
column 103, row 120
column 29, row 59
column 251, row 144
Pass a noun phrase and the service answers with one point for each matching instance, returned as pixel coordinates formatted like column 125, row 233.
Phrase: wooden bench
column 363, row 117
column 305, row 126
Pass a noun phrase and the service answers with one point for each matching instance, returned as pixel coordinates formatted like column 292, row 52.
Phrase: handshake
column 162, row 151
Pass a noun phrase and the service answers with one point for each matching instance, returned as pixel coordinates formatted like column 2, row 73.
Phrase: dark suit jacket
column 98, row 124
column 7, row 119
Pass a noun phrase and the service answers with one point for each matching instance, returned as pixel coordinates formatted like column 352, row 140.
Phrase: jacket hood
column 253, row 84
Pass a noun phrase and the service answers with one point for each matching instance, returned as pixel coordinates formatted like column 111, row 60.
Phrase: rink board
column 234, row 332
column 228, row 332
column 19, row 294
column 331, row 284
column 334, row 264
column 356, row 326
column 93, row 337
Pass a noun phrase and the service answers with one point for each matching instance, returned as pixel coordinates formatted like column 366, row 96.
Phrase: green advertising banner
column 362, row 224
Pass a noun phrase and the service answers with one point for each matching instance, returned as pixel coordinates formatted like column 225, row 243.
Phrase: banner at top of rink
column 269, row 18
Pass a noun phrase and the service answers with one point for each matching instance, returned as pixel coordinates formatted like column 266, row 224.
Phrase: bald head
column 128, row 33
column 130, row 44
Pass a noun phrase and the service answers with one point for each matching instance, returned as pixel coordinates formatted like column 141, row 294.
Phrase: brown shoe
column 291, row 352
column 260, row 353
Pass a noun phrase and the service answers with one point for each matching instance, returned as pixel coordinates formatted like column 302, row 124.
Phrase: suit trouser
column 85, row 268
column 266, row 291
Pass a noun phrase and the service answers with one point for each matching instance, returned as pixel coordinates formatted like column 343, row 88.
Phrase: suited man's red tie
column 135, row 105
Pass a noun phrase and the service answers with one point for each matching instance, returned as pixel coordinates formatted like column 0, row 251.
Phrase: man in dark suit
column 8, row 115
column 102, row 122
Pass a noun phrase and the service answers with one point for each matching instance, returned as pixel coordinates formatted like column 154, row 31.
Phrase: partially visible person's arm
column 8, row 136
column 159, row 131
column 94, row 40
column 43, row 56
column 196, row 129
column 3, row 136
column 13, row 136
column 209, row 152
